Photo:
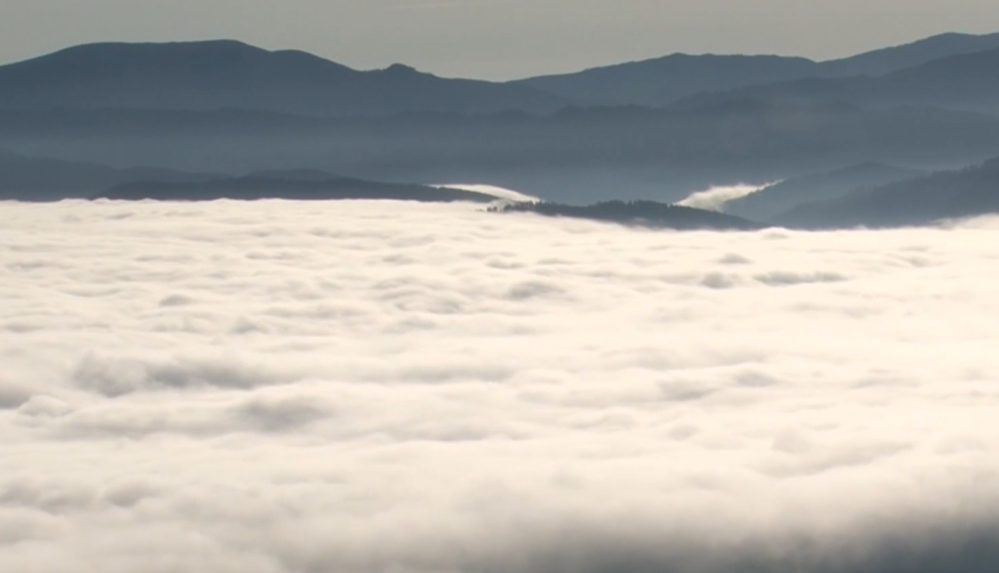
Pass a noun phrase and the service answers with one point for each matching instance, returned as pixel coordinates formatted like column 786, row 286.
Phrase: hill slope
column 965, row 82
column 228, row 74
column 888, row 60
column 944, row 195
column 41, row 179
column 660, row 81
column 781, row 197
column 298, row 186
column 575, row 156
column 639, row 213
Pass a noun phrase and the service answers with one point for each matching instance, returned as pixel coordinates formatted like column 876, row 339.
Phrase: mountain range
column 844, row 198
column 576, row 156
column 38, row 179
column 43, row 179
column 203, row 119
column 312, row 186
column 776, row 199
column 230, row 74
column 962, row 82
column 648, row 214
column 227, row 74
column 939, row 196
column 662, row 81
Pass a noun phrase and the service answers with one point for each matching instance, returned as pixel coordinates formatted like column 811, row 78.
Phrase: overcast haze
column 495, row 39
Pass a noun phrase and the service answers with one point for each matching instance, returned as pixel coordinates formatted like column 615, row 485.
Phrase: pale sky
column 495, row 39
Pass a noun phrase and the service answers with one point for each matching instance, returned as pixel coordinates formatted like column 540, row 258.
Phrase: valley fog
column 285, row 387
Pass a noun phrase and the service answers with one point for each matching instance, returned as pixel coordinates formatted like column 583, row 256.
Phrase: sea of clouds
column 361, row 387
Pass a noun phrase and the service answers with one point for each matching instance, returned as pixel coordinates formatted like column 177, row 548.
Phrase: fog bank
column 280, row 387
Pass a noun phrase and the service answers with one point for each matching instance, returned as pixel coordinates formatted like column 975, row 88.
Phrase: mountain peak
column 229, row 74
column 104, row 48
column 895, row 58
column 401, row 69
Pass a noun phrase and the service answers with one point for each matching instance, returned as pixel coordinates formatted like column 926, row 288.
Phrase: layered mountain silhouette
column 203, row 111
column 943, row 195
column 963, row 82
column 781, row 197
column 229, row 74
column 576, row 156
column 887, row 60
column 293, row 185
column 637, row 213
column 41, row 179
column 661, row 81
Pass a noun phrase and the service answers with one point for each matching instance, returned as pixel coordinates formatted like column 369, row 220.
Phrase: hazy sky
column 495, row 38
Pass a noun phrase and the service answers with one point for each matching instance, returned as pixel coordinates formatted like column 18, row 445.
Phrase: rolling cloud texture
column 279, row 387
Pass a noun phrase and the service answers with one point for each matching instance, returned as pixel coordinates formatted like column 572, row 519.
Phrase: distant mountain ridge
column 781, row 197
column 661, row 81
column 227, row 74
column 291, row 185
column 637, row 213
column 576, row 156
column 888, row 60
column 969, row 192
column 963, row 82
column 43, row 179
column 226, row 107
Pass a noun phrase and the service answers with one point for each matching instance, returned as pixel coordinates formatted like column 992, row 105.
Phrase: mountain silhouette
column 576, row 156
column 888, row 60
column 781, row 197
column 228, row 108
column 964, row 82
column 637, row 213
column 938, row 196
column 42, row 179
column 294, row 185
column 661, row 81
column 229, row 74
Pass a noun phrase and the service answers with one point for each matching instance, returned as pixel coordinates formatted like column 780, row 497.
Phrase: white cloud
column 281, row 387
column 714, row 199
column 498, row 192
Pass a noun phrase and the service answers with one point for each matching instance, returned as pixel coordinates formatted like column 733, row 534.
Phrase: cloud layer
column 714, row 199
column 498, row 192
column 279, row 387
